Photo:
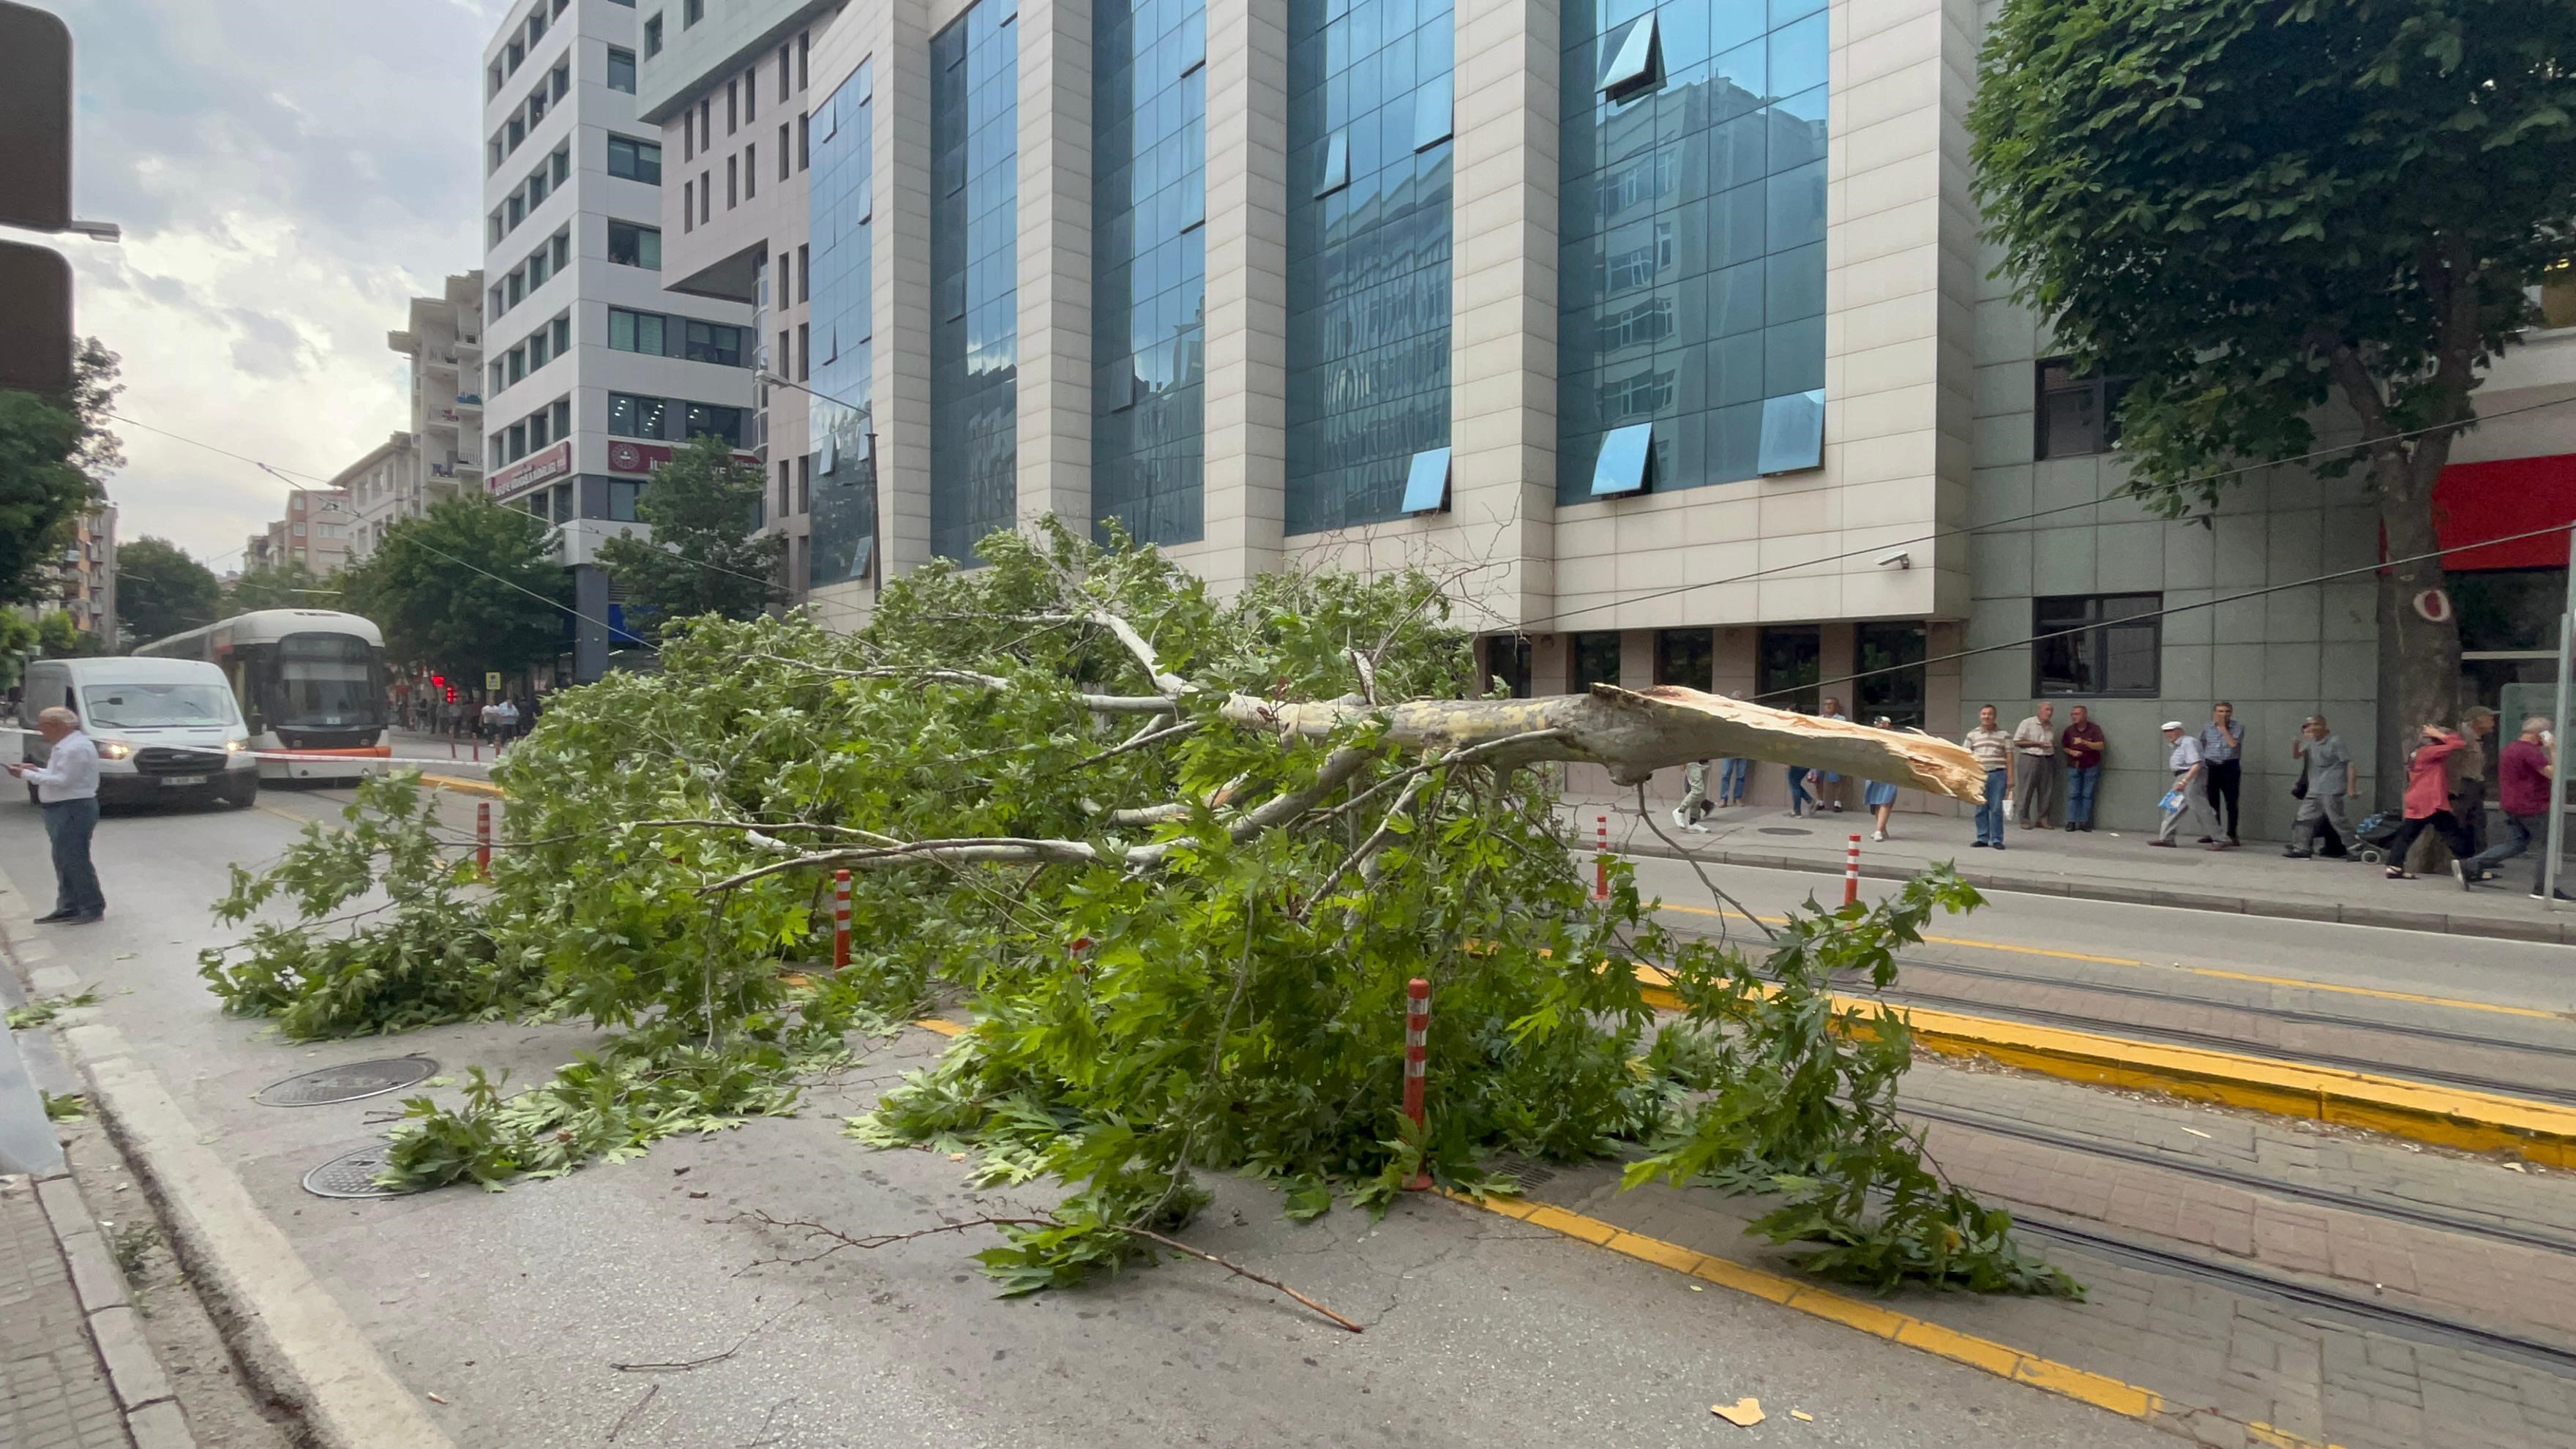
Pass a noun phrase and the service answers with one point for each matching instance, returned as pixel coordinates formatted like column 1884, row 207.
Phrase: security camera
column 1898, row 558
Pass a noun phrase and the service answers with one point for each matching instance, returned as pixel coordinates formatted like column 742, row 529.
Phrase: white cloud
column 288, row 174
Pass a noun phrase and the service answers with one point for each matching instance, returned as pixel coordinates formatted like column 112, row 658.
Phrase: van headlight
column 114, row 750
column 235, row 747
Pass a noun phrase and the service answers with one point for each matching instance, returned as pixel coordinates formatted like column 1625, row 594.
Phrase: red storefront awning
column 2473, row 502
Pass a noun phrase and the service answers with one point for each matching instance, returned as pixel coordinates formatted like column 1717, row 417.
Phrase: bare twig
column 682, row 1365
column 839, row 1240
column 1722, row 898
column 1151, row 737
column 629, row 1416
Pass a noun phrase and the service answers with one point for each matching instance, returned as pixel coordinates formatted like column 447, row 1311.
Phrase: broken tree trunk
column 1635, row 732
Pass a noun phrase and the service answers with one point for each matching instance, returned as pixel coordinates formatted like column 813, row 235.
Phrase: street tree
column 17, row 640
column 161, row 591
column 1177, row 859
column 467, row 587
column 289, row 585
column 2255, row 208
column 62, row 637
column 55, row 455
column 701, row 557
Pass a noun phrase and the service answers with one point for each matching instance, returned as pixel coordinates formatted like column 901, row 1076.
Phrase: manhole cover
column 1784, row 830
column 348, row 1082
column 351, row 1174
column 1521, row 1170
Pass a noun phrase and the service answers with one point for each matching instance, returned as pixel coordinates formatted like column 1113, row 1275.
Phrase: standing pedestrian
column 2082, row 745
column 1694, row 804
column 67, row 788
column 1829, row 786
column 2525, row 781
column 1800, row 802
column 1994, row 751
column 2186, row 797
column 506, row 717
column 1880, row 797
column 2222, row 755
column 2329, row 782
column 2471, row 769
column 2035, row 791
column 2428, row 801
column 1732, row 777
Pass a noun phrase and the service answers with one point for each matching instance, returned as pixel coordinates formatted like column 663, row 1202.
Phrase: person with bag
column 2327, row 783
column 2184, row 798
column 2428, row 805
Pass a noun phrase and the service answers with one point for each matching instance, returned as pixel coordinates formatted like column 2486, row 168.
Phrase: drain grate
column 351, row 1174
column 1784, row 830
column 347, row 1082
column 1521, row 1170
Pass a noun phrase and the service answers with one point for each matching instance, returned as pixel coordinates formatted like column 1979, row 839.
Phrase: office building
column 591, row 372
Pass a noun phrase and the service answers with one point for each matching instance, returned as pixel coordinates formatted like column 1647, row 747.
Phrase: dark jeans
column 1800, row 802
column 1990, row 814
column 2469, row 803
column 2521, row 828
column 69, row 824
column 2442, row 822
column 2226, row 778
column 2081, row 782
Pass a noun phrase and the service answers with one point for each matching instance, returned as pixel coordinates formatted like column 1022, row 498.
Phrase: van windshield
column 158, row 706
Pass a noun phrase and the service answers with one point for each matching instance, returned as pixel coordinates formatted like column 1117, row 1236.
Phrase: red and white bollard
column 1417, row 1037
column 1851, row 872
column 483, row 836
column 1601, row 861
column 840, row 919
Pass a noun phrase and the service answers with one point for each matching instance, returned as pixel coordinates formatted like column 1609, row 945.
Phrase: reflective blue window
column 1691, row 270
column 1369, row 89
column 1426, row 486
column 974, row 279
column 1149, row 268
column 842, row 342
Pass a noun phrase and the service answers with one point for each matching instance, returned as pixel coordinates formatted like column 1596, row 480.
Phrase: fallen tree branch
column 1096, row 703
column 840, row 1240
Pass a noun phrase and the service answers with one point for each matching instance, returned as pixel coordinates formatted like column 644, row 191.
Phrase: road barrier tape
column 371, row 754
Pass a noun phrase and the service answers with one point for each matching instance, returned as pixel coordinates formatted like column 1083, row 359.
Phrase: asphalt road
column 516, row 1309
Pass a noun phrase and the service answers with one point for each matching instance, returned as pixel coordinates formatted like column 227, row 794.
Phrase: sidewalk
column 2104, row 866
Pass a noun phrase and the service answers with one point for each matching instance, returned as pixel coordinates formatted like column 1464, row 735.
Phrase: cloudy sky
column 288, row 174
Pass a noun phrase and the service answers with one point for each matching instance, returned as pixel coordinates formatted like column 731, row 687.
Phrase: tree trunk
column 2420, row 680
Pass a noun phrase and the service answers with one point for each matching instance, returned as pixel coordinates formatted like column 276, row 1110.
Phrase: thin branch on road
column 839, row 1240
column 629, row 1416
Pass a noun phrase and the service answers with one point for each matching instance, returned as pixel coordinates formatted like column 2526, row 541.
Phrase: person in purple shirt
column 2525, row 782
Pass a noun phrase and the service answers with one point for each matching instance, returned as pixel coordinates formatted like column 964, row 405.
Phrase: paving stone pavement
column 54, row 1392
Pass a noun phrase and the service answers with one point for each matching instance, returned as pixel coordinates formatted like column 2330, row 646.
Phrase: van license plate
column 183, row 779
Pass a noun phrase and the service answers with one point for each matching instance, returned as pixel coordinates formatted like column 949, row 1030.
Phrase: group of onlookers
column 1735, row 775
column 2041, row 775
column 2446, row 793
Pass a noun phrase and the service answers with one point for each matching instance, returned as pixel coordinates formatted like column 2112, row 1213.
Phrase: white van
column 167, row 729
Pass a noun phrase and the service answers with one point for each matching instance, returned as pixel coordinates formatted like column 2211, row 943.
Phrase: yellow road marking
column 2265, row 1434
column 2212, row 972
column 1998, row 1359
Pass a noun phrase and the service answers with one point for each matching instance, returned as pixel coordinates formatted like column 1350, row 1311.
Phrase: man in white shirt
column 67, row 787
column 2187, row 764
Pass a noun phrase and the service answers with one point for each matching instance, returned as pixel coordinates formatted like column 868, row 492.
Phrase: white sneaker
column 1696, row 828
column 1878, row 835
column 1680, row 821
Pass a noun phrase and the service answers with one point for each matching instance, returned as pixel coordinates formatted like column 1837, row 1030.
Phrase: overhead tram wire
column 1996, row 525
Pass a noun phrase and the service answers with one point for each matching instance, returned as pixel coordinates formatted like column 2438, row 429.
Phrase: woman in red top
column 2428, row 803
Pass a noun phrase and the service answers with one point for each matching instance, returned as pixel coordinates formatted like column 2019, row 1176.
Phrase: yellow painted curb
column 2442, row 1116
column 1873, row 1319
column 462, row 786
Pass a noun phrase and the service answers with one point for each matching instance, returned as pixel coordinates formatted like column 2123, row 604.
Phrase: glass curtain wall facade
column 842, row 208
column 1369, row 136
column 1692, row 281
column 974, row 278
column 1149, row 267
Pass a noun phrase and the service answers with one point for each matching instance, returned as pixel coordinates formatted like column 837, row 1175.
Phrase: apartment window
column 535, row 189
column 518, row 208
column 804, row 488
column 804, row 272
column 538, row 353
column 688, row 206
column 688, row 135
column 495, row 88
column 804, row 141
column 518, row 363
column 562, row 163
column 785, row 156
column 652, row 35
column 804, row 55
column 518, row 441
column 1788, row 665
column 712, row 342
column 561, row 81
column 499, row 229
column 516, row 132
column 498, row 306
column 630, row 245
column 1593, row 659
column 782, row 72
column 1890, row 664
column 630, row 416
column 562, row 330
column 706, row 123
column 635, row 160
column 622, row 497
column 299, row 530
column 786, row 355
column 2077, row 413
column 536, row 430
column 492, row 155
column 751, row 94
column 782, row 488
column 537, row 268
column 733, row 106
column 621, row 70
column 804, row 351
column 750, row 172
column 1687, row 657
column 732, row 176
column 2104, row 645
column 536, row 27
column 497, row 382
column 562, row 248
column 643, row 332
column 517, row 282
column 706, row 196
column 536, row 107
column 514, row 57
column 691, row 12
column 563, row 410
column 702, row 419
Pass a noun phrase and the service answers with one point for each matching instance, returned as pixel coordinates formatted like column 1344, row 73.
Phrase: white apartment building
column 382, row 489
column 591, row 373
column 317, row 527
column 443, row 342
